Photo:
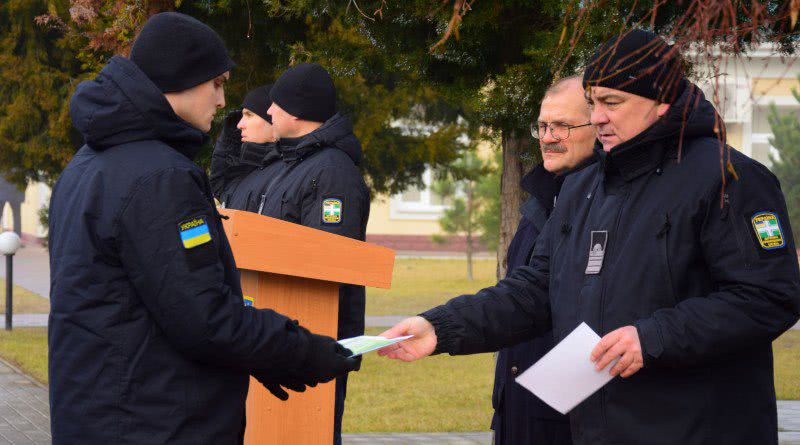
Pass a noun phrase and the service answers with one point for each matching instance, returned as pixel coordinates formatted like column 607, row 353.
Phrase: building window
column 420, row 203
column 761, row 116
column 761, row 150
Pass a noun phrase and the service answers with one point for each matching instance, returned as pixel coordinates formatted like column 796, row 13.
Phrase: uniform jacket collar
column 336, row 132
column 544, row 187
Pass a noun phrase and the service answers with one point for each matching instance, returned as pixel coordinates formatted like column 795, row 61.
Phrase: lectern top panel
column 267, row 244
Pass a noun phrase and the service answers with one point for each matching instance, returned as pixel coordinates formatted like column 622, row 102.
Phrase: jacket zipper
column 602, row 299
column 269, row 189
column 663, row 236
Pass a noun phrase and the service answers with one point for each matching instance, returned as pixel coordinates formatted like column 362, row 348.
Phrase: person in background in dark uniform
column 310, row 178
column 566, row 139
column 246, row 144
column 688, row 271
column 149, row 338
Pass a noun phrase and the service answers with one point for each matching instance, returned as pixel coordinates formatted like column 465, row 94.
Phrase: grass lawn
column 27, row 349
column 419, row 284
column 25, row 302
column 787, row 366
column 440, row 393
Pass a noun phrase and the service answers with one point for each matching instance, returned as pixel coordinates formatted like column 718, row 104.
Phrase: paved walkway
column 31, row 270
column 28, row 320
column 24, row 411
column 418, row 438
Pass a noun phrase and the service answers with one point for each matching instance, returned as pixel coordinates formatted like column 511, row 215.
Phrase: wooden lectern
column 296, row 271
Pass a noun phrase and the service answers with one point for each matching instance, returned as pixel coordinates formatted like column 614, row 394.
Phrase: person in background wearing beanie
column 316, row 181
column 246, row 144
column 688, row 275
column 149, row 339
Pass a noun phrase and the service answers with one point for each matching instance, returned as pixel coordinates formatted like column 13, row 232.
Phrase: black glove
column 231, row 135
column 275, row 383
column 326, row 360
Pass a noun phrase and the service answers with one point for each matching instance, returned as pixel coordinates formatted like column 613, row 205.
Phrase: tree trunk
column 510, row 195
column 470, row 203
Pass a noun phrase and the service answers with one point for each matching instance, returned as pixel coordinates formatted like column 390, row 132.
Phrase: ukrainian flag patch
column 194, row 232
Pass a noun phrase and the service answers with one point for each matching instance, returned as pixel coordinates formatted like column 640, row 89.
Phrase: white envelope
column 565, row 376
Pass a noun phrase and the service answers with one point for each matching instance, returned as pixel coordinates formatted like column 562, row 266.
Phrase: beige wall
column 734, row 136
column 776, row 87
column 36, row 196
column 380, row 221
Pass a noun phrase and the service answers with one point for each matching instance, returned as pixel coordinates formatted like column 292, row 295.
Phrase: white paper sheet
column 565, row 376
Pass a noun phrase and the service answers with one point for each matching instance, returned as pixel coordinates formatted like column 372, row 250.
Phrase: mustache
column 557, row 148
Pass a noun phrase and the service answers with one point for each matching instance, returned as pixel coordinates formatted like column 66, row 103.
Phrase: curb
column 22, row 373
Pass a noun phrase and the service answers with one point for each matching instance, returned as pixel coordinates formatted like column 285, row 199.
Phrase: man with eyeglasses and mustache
column 566, row 139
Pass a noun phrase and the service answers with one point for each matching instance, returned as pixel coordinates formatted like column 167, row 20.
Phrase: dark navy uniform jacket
column 296, row 181
column 693, row 249
column 149, row 339
column 517, row 411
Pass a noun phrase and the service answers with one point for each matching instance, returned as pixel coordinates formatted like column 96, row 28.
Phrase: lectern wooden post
column 296, row 271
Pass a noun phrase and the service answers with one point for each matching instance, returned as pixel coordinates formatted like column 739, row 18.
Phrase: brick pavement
column 24, row 409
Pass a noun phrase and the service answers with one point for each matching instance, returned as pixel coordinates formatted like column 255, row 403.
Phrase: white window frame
column 749, row 138
column 420, row 210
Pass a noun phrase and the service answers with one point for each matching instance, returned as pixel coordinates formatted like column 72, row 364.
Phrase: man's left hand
column 622, row 344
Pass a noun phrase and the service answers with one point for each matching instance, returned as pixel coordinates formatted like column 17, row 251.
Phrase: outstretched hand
column 421, row 345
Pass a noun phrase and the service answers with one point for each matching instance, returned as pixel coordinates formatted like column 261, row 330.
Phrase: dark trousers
column 534, row 432
column 341, row 392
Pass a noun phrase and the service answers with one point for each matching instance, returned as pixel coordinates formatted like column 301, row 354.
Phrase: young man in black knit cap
column 149, row 339
column 255, row 124
column 687, row 272
column 246, row 144
column 315, row 182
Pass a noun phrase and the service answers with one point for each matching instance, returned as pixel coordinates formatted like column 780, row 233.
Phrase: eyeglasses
column 558, row 130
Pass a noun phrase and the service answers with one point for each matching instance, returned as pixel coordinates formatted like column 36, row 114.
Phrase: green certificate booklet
column 366, row 343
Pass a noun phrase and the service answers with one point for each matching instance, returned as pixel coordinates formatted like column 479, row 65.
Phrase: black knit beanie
column 257, row 101
column 306, row 91
column 178, row 52
column 637, row 62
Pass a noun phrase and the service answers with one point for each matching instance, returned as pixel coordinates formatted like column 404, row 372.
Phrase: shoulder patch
column 332, row 211
column 768, row 230
column 248, row 301
column 194, row 232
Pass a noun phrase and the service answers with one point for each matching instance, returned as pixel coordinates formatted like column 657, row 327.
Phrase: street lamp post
column 9, row 243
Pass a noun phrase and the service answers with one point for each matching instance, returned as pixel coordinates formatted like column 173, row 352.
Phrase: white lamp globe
column 9, row 243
